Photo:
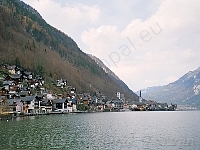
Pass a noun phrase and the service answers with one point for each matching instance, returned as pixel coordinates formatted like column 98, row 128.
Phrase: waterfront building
column 140, row 98
column 118, row 95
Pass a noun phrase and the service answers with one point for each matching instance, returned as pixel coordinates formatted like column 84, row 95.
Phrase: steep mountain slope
column 185, row 90
column 26, row 40
column 115, row 77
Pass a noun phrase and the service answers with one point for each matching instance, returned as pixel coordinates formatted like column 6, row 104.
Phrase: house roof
column 46, row 102
column 79, row 95
column 27, row 73
column 40, row 96
column 62, row 80
column 86, row 94
column 116, row 101
column 139, row 103
column 23, row 93
column 15, row 76
column 28, row 98
column 8, row 82
column 2, row 97
column 11, row 101
column 59, row 101
column 38, row 77
column 73, row 100
column 85, row 98
column 11, row 67
column 163, row 104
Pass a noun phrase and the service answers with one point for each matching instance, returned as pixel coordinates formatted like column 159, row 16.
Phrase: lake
column 104, row 131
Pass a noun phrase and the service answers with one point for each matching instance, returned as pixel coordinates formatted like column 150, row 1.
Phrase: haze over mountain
column 28, row 41
column 142, row 42
column 113, row 76
column 186, row 90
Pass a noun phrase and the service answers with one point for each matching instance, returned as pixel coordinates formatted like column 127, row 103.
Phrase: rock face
column 186, row 90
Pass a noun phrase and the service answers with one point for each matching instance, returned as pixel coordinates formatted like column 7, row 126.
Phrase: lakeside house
column 46, row 105
column 152, row 105
column 29, row 104
column 18, row 84
column 116, row 104
column 61, row 105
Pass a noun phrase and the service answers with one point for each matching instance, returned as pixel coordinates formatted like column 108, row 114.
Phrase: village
column 17, row 96
column 23, row 93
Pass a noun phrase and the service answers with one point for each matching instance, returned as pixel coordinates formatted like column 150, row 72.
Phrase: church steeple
column 140, row 98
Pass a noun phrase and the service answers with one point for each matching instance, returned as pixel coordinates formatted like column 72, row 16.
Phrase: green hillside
column 27, row 41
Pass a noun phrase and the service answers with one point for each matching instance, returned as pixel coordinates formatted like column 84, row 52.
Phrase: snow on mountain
column 186, row 90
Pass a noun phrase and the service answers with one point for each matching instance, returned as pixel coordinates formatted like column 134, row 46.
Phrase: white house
column 29, row 103
column 11, row 69
column 72, row 105
column 61, row 105
column 61, row 83
column 19, row 107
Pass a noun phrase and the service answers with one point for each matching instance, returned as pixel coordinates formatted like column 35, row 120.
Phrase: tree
column 34, row 44
column 17, row 62
column 82, row 107
column 40, row 69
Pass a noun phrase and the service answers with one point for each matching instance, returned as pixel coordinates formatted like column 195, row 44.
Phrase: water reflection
column 96, row 131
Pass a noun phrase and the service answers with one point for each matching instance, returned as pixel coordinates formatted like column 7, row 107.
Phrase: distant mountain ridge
column 114, row 76
column 186, row 90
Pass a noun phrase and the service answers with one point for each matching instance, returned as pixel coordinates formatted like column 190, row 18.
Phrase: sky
column 145, row 43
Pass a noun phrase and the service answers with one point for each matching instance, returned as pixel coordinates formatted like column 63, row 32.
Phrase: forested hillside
column 27, row 41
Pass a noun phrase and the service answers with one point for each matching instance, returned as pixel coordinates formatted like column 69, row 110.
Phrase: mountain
column 186, row 90
column 114, row 77
column 28, row 41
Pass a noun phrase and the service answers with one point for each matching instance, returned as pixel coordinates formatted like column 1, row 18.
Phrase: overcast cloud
column 146, row 43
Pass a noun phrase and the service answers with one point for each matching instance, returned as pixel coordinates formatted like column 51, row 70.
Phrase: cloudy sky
column 146, row 43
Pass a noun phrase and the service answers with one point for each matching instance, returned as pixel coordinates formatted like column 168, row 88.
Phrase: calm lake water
column 104, row 131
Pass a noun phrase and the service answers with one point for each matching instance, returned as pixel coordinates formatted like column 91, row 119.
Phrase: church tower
column 140, row 98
